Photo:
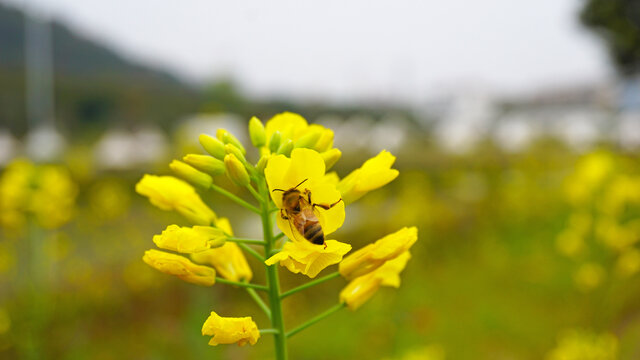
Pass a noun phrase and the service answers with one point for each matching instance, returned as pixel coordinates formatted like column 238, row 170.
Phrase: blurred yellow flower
column 189, row 240
column 374, row 255
column 169, row 193
column 45, row 191
column 590, row 173
column 307, row 258
column 180, row 266
column 362, row 288
column 585, row 345
column 429, row 352
column 629, row 262
column 569, row 242
column 621, row 191
column 227, row 330
column 228, row 259
column 589, row 276
column 373, row 174
column 5, row 321
column 304, row 165
column 109, row 198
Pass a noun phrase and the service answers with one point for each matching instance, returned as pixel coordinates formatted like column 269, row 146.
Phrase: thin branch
column 241, row 284
column 251, row 251
column 234, row 198
column 314, row 320
column 254, row 295
column 246, row 241
column 309, row 284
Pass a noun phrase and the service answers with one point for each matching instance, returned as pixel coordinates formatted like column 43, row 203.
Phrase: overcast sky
column 350, row 49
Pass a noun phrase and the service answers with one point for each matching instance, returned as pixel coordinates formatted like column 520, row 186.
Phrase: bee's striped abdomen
column 313, row 232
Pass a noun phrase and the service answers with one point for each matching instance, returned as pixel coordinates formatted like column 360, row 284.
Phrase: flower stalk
column 277, row 319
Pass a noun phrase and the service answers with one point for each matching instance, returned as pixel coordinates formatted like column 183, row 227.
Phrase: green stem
column 254, row 295
column 235, row 199
column 268, row 331
column 241, row 284
column 314, row 320
column 254, row 253
column 246, row 241
column 310, row 284
column 277, row 320
column 254, row 193
column 278, row 237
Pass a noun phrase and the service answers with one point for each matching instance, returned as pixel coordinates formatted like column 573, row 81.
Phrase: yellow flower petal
column 169, row 193
column 374, row 255
column 309, row 259
column 180, row 266
column 362, row 288
column 290, row 125
column 228, row 260
column 228, row 330
column 305, row 164
column 189, row 240
column 373, row 174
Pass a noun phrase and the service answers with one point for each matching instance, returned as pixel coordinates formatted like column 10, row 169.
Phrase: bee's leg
column 325, row 206
column 282, row 215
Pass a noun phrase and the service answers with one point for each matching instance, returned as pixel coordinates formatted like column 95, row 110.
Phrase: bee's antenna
column 301, row 182
column 277, row 190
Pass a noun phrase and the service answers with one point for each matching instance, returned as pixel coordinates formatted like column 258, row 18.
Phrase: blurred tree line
column 618, row 23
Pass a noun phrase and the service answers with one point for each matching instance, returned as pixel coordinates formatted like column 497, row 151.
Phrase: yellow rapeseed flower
column 285, row 173
column 180, row 266
column 629, row 262
column 227, row 330
column 307, row 258
column 584, row 345
column 362, row 288
column 373, row 174
column 292, row 128
column 227, row 259
column 189, row 240
column 374, row 255
column 589, row 276
column 590, row 172
column 169, row 193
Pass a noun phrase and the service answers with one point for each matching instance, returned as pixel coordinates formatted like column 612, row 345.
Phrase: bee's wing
column 291, row 227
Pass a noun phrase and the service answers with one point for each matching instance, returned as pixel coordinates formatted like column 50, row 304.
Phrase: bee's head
column 290, row 199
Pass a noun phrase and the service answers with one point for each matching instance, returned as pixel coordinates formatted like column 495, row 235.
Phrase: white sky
column 350, row 49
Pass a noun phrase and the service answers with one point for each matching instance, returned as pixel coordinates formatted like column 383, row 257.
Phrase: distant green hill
column 94, row 85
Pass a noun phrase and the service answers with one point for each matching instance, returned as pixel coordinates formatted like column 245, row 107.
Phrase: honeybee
column 299, row 210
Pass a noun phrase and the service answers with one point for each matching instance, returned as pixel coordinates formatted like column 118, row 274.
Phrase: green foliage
column 618, row 23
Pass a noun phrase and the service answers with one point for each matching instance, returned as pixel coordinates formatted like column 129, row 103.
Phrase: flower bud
column 256, row 132
column 274, row 142
column 190, row 174
column 325, row 142
column 286, row 147
column 236, row 170
column 226, row 137
column 262, row 163
column 180, row 266
column 205, row 163
column 308, row 140
column 189, row 240
column 212, row 145
column 264, row 151
column 330, row 157
column 232, row 149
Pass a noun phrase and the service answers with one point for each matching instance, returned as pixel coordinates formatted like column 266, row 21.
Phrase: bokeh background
column 517, row 131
